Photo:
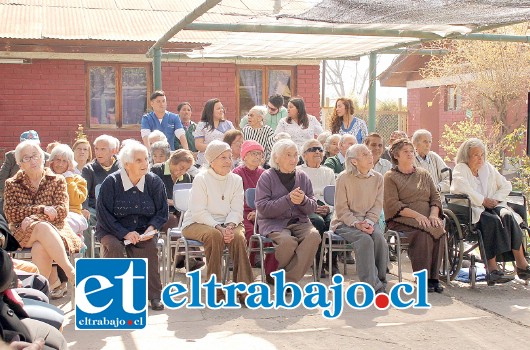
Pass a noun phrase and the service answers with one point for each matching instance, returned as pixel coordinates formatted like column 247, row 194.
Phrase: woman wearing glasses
column 212, row 126
column 36, row 205
column 343, row 121
column 300, row 125
column 320, row 176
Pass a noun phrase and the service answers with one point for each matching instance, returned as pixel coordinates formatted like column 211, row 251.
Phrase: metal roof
column 279, row 29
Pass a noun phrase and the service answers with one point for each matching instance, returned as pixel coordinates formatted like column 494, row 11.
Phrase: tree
column 491, row 76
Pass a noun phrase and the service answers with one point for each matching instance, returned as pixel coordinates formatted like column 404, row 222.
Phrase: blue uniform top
column 170, row 123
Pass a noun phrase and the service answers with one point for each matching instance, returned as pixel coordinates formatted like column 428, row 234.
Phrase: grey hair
column 462, row 155
column 308, row 144
column 353, row 153
column 278, row 149
column 114, row 143
column 282, row 136
column 62, row 150
column 322, row 138
column 419, row 133
column 330, row 139
column 25, row 144
column 345, row 136
column 161, row 145
column 126, row 154
column 262, row 111
column 156, row 134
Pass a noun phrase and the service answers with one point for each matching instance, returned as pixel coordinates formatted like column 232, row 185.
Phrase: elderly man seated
column 358, row 204
column 429, row 160
column 336, row 163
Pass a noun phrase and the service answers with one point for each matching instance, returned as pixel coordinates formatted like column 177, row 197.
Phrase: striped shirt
column 263, row 136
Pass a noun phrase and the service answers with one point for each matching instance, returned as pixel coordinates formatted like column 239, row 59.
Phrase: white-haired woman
column 358, row 205
column 160, row 152
column 215, row 215
column 258, row 131
column 488, row 190
column 331, row 146
column 284, row 200
column 429, row 160
column 62, row 162
column 320, row 176
column 132, row 206
column 36, row 206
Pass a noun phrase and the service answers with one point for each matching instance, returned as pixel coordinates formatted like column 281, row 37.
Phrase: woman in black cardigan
column 131, row 202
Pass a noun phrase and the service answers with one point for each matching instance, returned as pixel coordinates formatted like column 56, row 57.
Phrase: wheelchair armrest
column 456, row 196
column 516, row 194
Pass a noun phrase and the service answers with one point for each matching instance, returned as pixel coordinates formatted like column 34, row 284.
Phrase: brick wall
column 49, row 96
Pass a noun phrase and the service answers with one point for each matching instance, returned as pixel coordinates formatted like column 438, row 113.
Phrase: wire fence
column 385, row 121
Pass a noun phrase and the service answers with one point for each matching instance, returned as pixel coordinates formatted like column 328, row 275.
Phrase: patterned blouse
column 298, row 134
column 202, row 131
column 21, row 201
column 357, row 128
column 263, row 136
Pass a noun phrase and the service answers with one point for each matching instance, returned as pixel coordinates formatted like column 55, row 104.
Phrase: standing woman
column 300, row 125
column 258, row 131
column 211, row 127
column 82, row 154
column 184, row 112
column 343, row 121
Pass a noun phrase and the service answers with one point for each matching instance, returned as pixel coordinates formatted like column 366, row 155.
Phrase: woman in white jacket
column 488, row 191
column 215, row 215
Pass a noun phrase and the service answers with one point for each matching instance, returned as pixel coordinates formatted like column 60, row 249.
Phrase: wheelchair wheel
column 455, row 243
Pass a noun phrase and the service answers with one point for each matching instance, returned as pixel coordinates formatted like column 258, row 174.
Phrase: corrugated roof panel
column 177, row 6
column 22, row 2
column 100, row 4
column 23, row 22
column 133, row 5
column 65, row 23
column 63, row 3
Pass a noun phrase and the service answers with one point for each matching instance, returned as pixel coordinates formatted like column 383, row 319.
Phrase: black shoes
column 156, row 305
column 349, row 258
column 497, row 276
column 524, row 274
column 434, row 286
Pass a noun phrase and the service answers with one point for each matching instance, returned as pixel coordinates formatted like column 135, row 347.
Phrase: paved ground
column 485, row 317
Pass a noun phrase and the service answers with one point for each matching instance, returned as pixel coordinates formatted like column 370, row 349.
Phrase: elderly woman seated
column 488, row 190
column 160, row 152
column 36, row 205
column 132, row 206
column 252, row 154
column 412, row 205
column 62, row 162
column 331, row 146
column 429, row 160
column 284, row 200
column 358, row 204
column 215, row 215
column 320, row 177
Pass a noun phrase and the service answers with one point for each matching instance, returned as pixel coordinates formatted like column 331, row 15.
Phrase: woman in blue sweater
column 132, row 203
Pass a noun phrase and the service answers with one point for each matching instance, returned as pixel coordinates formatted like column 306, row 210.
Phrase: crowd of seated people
column 52, row 201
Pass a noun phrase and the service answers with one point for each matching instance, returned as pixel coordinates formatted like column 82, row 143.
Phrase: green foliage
column 508, row 147
column 388, row 105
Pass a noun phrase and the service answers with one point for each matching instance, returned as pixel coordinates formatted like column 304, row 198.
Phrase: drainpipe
column 157, row 69
column 371, row 92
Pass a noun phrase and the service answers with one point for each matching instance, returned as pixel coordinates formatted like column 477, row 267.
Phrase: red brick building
column 97, row 75
column 432, row 107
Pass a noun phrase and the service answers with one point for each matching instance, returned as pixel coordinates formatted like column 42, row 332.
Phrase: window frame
column 453, row 91
column 265, row 82
column 118, row 92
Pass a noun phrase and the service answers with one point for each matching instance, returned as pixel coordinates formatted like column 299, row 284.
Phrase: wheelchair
column 463, row 237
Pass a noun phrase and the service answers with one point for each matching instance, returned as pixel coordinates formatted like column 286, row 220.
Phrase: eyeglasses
column 315, row 149
column 34, row 157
